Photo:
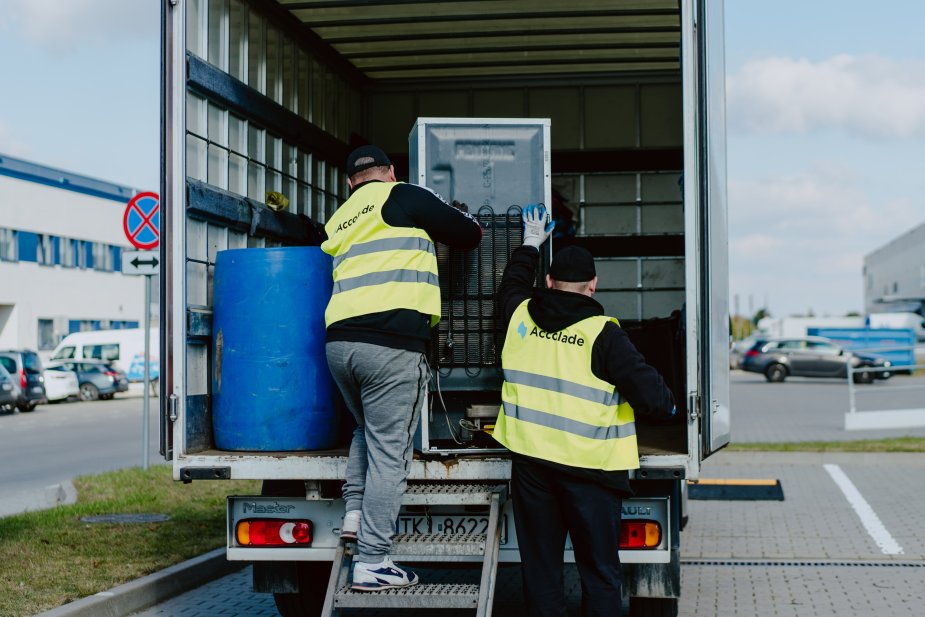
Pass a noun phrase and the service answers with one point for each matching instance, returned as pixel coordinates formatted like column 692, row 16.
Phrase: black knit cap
column 365, row 157
column 573, row 264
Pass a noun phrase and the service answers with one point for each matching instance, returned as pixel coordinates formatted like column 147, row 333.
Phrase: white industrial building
column 894, row 275
column 61, row 244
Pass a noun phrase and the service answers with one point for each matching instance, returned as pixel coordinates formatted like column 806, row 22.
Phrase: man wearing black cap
column 572, row 383
column 385, row 300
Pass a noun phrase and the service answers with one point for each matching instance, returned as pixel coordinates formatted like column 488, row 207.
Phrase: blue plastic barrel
column 271, row 387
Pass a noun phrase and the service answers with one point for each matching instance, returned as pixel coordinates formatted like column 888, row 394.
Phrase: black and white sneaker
column 382, row 575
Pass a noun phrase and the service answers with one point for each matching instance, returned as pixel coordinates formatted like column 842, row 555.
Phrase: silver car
column 811, row 356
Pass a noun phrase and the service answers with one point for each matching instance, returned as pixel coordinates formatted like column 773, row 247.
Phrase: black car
column 9, row 391
column 26, row 368
column 811, row 356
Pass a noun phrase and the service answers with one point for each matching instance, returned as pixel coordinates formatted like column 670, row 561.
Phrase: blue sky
column 826, row 130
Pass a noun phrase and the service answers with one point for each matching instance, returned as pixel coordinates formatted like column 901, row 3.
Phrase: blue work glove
column 536, row 228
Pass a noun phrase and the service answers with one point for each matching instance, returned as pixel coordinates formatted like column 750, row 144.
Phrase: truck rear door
column 705, row 186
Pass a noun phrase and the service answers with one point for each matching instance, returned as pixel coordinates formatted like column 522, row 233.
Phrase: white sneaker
column 348, row 531
column 382, row 575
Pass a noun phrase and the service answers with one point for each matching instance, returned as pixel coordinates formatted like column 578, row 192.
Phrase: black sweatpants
column 548, row 504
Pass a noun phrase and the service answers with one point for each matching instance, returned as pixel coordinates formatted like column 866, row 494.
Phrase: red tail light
column 751, row 353
column 640, row 534
column 112, row 374
column 273, row 532
column 22, row 380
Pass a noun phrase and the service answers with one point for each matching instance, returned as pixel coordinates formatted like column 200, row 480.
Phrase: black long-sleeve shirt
column 409, row 205
column 614, row 358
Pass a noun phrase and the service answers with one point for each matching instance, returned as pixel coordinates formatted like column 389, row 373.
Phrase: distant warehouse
column 61, row 244
column 894, row 275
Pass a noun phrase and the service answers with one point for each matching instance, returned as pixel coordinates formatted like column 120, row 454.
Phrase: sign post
column 141, row 225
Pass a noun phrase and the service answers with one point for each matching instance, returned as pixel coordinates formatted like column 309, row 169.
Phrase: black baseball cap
column 573, row 264
column 365, row 157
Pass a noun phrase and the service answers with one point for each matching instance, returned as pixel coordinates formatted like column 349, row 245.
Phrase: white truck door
column 703, row 75
column 173, row 204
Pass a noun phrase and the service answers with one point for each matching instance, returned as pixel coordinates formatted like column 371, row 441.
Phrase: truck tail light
column 637, row 534
column 273, row 532
column 22, row 380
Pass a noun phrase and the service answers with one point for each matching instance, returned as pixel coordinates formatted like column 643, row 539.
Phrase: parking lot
column 846, row 539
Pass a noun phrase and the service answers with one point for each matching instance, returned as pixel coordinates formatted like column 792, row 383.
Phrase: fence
column 883, row 418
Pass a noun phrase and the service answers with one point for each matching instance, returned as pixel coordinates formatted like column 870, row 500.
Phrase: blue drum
column 271, row 387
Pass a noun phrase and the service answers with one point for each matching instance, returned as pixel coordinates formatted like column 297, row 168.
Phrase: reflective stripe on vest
column 378, row 267
column 595, row 395
column 553, row 406
column 568, row 425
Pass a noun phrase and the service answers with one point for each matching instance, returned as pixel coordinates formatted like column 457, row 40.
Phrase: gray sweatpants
column 384, row 389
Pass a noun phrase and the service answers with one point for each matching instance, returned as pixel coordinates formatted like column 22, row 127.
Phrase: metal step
column 451, row 494
column 424, row 595
column 438, row 546
column 430, row 547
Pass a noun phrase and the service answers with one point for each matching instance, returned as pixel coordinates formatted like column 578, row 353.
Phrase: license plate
column 449, row 524
column 37, row 389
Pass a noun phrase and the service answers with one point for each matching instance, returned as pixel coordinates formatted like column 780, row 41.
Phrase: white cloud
column 61, row 25
column 800, row 239
column 868, row 95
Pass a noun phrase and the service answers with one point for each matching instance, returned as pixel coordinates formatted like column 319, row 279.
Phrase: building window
column 8, row 250
column 28, row 246
column 102, row 257
column 116, row 257
column 46, row 337
column 86, row 254
column 45, row 250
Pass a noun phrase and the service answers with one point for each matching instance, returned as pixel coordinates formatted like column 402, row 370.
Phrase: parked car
column 9, row 391
column 25, row 366
column 60, row 384
column 737, row 349
column 811, row 356
column 97, row 380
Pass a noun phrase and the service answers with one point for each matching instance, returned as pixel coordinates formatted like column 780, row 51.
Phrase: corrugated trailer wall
column 249, row 81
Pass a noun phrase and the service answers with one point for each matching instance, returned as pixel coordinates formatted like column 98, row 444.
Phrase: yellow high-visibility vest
column 553, row 407
column 378, row 267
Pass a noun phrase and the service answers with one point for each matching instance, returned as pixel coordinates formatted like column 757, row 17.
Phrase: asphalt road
column 60, row 441
column 803, row 409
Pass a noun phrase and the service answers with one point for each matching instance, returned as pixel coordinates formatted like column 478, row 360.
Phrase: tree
column 761, row 314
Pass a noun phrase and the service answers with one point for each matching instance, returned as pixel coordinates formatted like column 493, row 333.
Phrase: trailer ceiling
column 395, row 40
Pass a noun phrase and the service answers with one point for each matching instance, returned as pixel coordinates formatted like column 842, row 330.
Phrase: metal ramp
column 430, row 548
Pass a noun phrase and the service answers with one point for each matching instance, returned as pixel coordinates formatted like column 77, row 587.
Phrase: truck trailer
column 609, row 112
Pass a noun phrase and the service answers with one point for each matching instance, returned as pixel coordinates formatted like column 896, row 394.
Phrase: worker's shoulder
column 404, row 190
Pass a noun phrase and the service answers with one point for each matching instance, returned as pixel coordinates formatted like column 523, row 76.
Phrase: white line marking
column 869, row 518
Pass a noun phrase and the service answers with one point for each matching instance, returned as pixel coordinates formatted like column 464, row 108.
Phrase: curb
column 38, row 499
column 149, row 590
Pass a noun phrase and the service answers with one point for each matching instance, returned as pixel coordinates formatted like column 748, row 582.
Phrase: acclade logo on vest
column 351, row 221
column 562, row 336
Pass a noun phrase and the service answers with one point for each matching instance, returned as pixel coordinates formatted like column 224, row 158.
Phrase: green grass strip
column 51, row 557
column 895, row 444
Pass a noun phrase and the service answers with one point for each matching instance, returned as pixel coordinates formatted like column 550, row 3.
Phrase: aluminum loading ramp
column 431, row 548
